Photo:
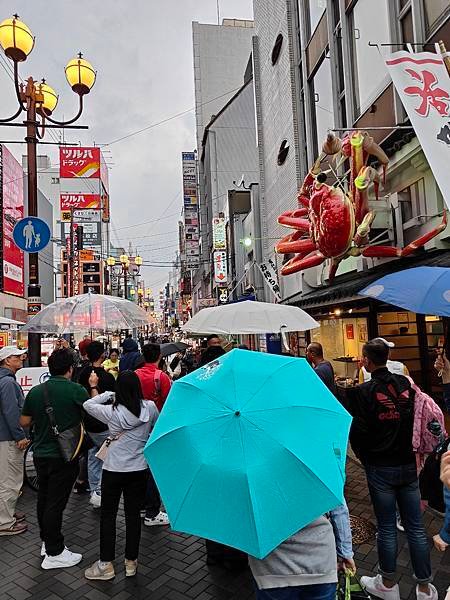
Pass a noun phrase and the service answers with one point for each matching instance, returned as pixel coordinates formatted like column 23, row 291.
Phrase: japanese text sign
column 220, row 266
column 74, row 201
column 423, row 84
column 79, row 162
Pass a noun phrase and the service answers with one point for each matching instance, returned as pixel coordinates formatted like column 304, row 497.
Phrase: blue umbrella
column 423, row 290
column 248, row 450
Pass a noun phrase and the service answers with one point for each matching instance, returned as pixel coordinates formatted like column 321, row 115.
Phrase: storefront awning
column 346, row 287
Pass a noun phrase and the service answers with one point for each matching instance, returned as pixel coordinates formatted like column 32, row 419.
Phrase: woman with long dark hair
column 130, row 420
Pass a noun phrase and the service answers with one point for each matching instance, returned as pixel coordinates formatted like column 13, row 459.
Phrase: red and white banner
column 79, row 162
column 423, row 84
column 12, row 206
column 74, row 201
column 220, row 266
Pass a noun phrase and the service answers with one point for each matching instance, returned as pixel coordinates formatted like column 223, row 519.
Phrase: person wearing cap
column 393, row 366
column 13, row 441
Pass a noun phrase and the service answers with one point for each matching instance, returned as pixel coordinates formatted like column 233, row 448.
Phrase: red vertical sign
column 12, row 206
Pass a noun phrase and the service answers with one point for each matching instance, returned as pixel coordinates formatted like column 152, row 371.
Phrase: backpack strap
column 49, row 410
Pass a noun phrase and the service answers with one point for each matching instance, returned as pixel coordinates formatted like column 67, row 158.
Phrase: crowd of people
column 118, row 399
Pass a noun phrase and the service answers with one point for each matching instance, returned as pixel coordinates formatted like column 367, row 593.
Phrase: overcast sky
column 142, row 50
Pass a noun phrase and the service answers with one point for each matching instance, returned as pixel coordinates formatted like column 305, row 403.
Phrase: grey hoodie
column 126, row 453
column 306, row 558
column 11, row 403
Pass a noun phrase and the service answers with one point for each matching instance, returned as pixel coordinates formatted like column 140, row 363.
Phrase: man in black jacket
column 96, row 430
column 381, row 437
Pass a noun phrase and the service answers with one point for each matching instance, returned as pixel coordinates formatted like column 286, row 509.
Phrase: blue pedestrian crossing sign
column 31, row 234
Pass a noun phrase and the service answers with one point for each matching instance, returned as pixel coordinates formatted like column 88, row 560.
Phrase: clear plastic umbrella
column 87, row 312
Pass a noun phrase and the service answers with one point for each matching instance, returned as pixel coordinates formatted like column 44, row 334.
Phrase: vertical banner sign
column 190, row 210
column 423, row 84
column 12, row 206
column 220, row 266
column 76, row 262
column 269, row 273
column 219, row 233
column 69, row 270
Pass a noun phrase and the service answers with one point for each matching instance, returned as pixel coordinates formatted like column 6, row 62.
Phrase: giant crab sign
column 334, row 223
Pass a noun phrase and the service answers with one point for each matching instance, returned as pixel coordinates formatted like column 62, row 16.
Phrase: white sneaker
column 62, row 561
column 374, row 585
column 432, row 596
column 43, row 552
column 160, row 519
column 95, row 500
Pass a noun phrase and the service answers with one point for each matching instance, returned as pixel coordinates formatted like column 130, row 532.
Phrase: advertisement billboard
column 69, row 202
column 79, row 162
column 12, row 206
column 219, row 233
column 190, row 202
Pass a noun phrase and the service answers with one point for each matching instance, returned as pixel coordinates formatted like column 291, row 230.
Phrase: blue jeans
column 445, row 531
column 388, row 487
column 95, row 465
column 321, row 591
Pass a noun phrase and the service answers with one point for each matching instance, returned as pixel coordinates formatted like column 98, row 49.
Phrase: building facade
column 318, row 67
column 221, row 54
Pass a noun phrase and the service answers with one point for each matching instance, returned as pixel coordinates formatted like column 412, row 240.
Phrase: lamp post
column 38, row 101
column 125, row 262
column 111, row 262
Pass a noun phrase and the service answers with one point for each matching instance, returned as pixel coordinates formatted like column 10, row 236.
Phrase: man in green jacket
column 56, row 477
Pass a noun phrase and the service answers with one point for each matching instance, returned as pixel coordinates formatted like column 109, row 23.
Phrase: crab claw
column 332, row 145
column 372, row 148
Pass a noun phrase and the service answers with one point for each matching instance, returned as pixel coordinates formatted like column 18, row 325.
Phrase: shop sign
column 220, row 266
column 269, row 273
column 219, row 233
column 423, row 84
column 79, row 162
column 34, row 308
column 349, row 331
column 12, row 207
column 76, row 273
column 222, row 294
column 69, row 271
column 31, row 376
column 81, row 216
column 74, row 201
column 206, row 302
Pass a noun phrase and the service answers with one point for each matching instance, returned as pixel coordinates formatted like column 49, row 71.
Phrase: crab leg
column 292, row 218
column 292, row 243
column 300, row 262
column 382, row 251
column 333, row 268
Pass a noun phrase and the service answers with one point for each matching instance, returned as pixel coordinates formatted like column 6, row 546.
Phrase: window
column 55, row 180
column 369, row 23
column 412, row 202
column 277, row 48
column 435, row 12
column 322, row 102
column 315, row 9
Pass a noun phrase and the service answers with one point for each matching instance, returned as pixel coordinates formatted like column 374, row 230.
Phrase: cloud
column 142, row 50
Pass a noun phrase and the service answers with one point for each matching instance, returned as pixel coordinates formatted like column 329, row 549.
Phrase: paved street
column 172, row 566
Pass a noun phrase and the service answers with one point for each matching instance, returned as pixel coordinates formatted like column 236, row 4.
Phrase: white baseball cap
column 385, row 342
column 8, row 351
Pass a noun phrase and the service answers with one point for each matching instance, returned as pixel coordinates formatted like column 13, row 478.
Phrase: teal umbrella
column 248, row 450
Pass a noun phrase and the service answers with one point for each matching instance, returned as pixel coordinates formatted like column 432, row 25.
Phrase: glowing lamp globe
column 80, row 75
column 110, row 261
column 16, row 39
column 138, row 261
column 50, row 98
column 124, row 259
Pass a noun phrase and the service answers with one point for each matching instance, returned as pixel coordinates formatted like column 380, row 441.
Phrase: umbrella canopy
column 423, row 290
column 250, row 317
column 6, row 321
column 248, row 450
column 87, row 312
column 173, row 348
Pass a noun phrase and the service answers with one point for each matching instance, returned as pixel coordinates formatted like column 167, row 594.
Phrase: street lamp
column 111, row 262
column 38, row 101
column 125, row 263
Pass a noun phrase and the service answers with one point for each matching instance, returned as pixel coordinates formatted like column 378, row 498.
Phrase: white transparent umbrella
column 87, row 313
column 250, row 317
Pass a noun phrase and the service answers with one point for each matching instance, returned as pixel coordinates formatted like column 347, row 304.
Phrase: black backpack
column 431, row 487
